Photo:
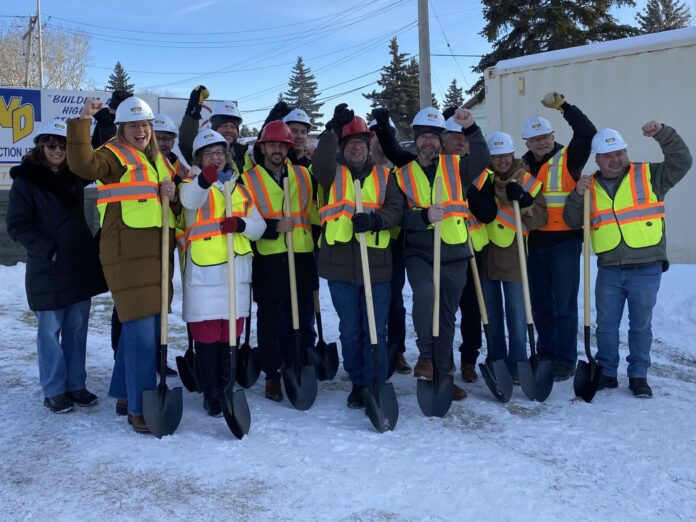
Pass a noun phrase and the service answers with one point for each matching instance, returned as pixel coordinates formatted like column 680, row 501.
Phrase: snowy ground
column 618, row 458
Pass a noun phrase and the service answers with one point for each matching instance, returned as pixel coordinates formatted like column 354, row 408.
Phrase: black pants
column 470, row 325
column 396, row 323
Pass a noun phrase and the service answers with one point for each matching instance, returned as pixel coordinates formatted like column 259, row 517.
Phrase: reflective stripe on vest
column 137, row 191
column 340, row 207
column 477, row 230
column 268, row 197
column 557, row 184
column 634, row 214
column 420, row 194
column 502, row 230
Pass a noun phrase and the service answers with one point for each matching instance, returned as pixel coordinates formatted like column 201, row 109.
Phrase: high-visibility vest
column 634, row 214
column 502, row 230
column 477, row 230
column 557, row 184
column 178, row 168
column 205, row 239
column 340, row 207
column 138, row 189
column 421, row 194
column 268, row 198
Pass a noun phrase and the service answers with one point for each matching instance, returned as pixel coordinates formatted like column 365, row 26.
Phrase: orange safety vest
column 557, row 184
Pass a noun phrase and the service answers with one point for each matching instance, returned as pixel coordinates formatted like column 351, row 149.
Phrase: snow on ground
column 618, row 458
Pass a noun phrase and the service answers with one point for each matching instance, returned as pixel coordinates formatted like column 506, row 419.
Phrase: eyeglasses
column 356, row 143
column 210, row 153
column 53, row 146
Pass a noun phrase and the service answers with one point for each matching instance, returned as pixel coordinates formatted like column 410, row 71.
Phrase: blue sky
column 245, row 50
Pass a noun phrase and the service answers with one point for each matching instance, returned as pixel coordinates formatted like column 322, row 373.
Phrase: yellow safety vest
column 340, row 207
column 137, row 191
column 556, row 185
column 634, row 214
column 502, row 230
column 268, row 198
column 421, row 194
column 477, row 230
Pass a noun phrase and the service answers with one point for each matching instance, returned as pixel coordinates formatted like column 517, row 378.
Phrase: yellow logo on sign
column 17, row 116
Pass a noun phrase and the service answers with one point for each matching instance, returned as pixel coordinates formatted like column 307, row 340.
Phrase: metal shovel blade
column 301, row 389
column 435, row 397
column 498, row 379
column 586, row 381
column 536, row 378
column 187, row 369
column 328, row 360
column 235, row 409
column 383, row 409
column 162, row 409
column 248, row 367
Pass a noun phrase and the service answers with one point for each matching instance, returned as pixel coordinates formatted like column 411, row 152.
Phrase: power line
column 442, row 29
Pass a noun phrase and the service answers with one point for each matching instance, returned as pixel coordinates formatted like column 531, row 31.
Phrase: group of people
column 455, row 177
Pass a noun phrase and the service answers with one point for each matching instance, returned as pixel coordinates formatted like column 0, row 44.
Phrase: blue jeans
column 554, row 280
column 134, row 367
column 513, row 316
column 61, row 344
column 349, row 301
column 616, row 286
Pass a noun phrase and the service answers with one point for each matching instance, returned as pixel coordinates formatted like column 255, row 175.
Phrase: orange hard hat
column 276, row 131
column 356, row 126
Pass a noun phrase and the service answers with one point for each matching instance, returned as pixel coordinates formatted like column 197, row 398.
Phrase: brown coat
column 130, row 257
column 503, row 264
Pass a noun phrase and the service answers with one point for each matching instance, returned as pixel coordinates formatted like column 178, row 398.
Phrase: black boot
column 224, row 362
column 640, row 387
column 355, row 399
column 207, row 358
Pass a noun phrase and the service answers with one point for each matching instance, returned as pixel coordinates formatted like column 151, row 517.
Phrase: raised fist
column 90, row 108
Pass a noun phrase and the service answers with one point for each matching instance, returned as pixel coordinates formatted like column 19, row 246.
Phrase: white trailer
column 619, row 84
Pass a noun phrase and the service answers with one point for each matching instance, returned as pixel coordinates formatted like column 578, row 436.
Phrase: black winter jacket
column 46, row 215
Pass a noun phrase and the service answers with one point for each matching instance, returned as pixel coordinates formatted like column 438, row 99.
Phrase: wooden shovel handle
column 477, row 282
column 367, row 281
column 437, row 237
column 586, row 255
column 523, row 262
column 231, row 281
column 287, row 212
column 164, row 284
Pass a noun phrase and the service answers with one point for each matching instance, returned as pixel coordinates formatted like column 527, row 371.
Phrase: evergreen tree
column 118, row 80
column 399, row 94
column 302, row 91
column 434, row 102
column 663, row 15
column 246, row 132
column 454, row 96
column 529, row 26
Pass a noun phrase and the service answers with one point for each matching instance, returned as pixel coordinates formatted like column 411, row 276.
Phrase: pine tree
column 399, row 94
column 528, row 26
column 434, row 102
column 663, row 15
column 118, row 80
column 302, row 91
column 454, row 96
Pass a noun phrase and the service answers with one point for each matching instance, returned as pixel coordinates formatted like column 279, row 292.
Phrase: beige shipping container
column 619, row 84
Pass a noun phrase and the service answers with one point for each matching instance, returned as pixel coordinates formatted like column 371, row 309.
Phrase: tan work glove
column 553, row 100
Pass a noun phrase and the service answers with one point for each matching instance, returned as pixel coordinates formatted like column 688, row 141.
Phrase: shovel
column 495, row 373
column 248, row 367
column 235, row 408
column 327, row 353
column 162, row 407
column 435, row 396
column 587, row 374
column 300, row 379
column 186, row 365
column 535, row 376
column 380, row 401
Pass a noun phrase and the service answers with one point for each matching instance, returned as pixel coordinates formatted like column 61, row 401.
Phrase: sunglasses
column 54, row 146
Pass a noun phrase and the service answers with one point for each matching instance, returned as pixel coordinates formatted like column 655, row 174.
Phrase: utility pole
column 25, row 36
column 424, row 90
column 38, row 17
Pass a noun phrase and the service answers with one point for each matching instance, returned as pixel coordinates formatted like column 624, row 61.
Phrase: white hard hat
column 298, row 116
column 163, row 123
column 500, row 143
column 54, row 127
column 452, row 126
column 536, row 126
column 226, row 108
column 607, row 140
column 429, row 117
column 133, row 109
column 207, row 137
column 373, row 124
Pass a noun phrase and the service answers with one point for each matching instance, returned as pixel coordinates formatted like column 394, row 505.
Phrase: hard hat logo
column 432, row 117
column 230, row 107
column 136, row 110
column 59, row 126
column 536, row 126
column 609, row 141
column 159, row 122
column 208, row 136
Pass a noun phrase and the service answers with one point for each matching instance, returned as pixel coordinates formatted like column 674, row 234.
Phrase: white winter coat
column 205, row 287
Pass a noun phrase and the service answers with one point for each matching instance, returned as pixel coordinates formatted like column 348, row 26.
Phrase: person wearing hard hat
column 270, row 276
column 416, row 178
column 45, row 213
column 554, row 249
column 105, row 128
column 500, row 262
column 205, row 299
column 166, row 133
column 132, row 176
column 225, row 119
column 627, row 231
column 300, row 125
column 339, row 257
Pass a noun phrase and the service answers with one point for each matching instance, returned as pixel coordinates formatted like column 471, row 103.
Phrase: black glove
column 363, row 222
column 104, row 117
column 381, row 116
column 342, row 116
column 449, row 112
column 515, row 192
column 278, row 112
column 195, row 103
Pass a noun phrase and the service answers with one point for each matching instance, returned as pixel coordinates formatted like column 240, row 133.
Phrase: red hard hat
column 356, row 126
column 276, row 131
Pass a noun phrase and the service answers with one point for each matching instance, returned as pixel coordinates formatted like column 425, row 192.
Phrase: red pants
column 214, row 330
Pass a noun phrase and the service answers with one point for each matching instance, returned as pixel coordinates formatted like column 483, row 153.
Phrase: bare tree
column 65, row 57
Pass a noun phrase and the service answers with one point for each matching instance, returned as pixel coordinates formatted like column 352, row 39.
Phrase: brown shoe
column 121, row 407
column 458, row 394
column 401, row 365
column 469, row 372
column 273, row 391
column 424, row 369
column 138, row 423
